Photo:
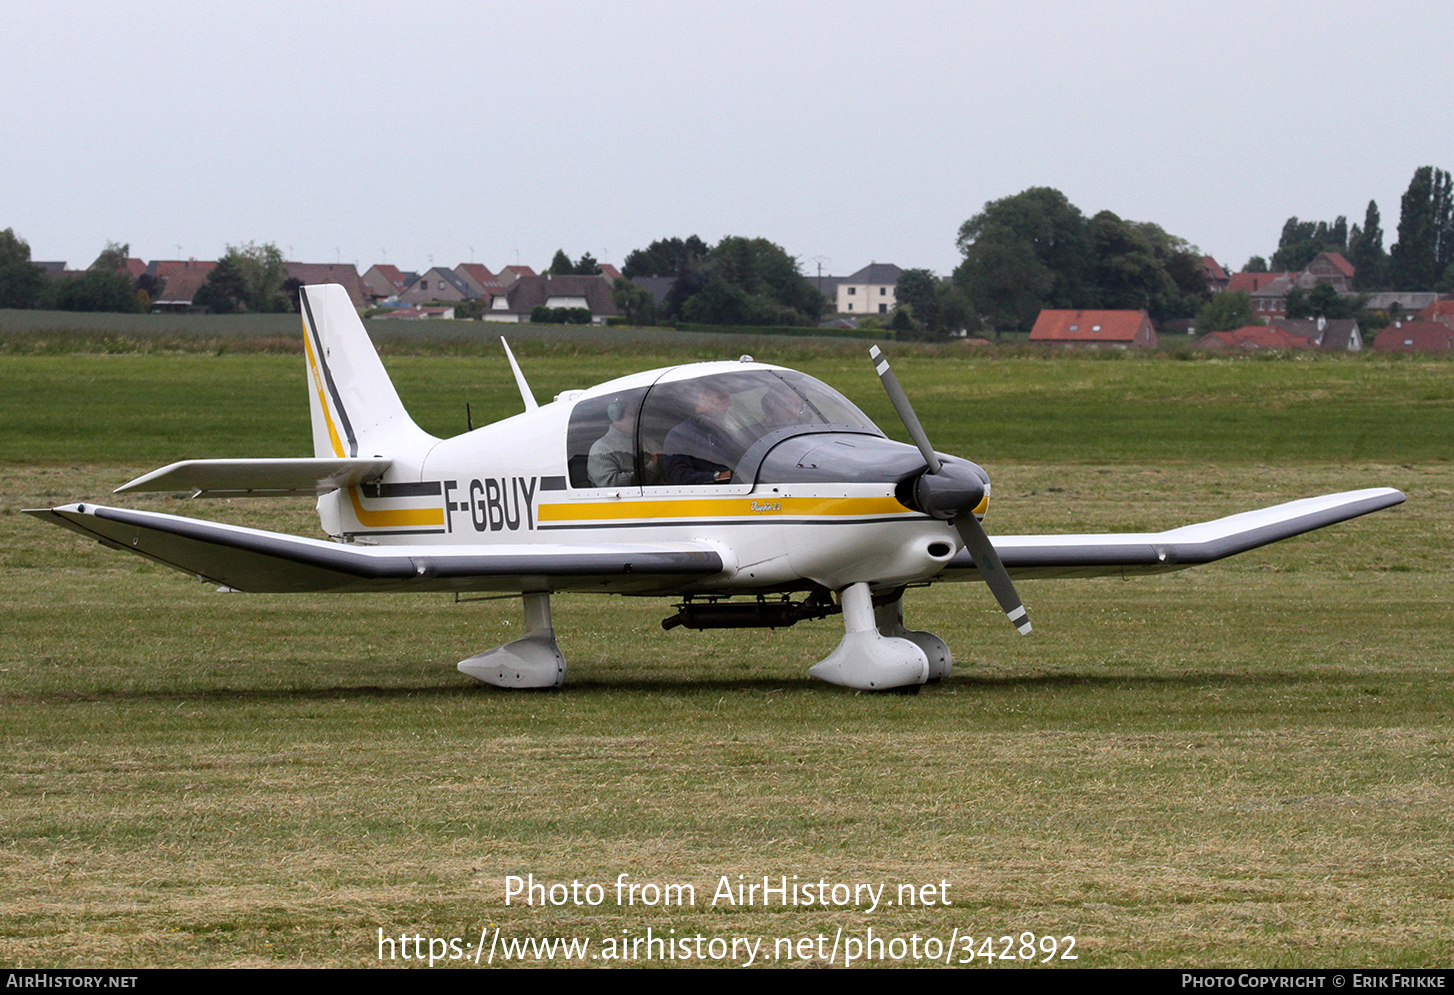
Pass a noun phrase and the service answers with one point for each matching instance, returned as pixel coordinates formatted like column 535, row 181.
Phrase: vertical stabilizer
column 355, row 409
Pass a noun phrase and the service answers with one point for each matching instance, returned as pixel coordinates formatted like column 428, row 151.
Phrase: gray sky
column 448, row 131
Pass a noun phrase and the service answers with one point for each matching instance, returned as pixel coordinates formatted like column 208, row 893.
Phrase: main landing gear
column 532, row 661
column 877, row 653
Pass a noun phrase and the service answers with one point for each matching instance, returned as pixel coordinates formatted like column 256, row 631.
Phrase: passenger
column 612, row 462
column 699, row 450
column 781, row 408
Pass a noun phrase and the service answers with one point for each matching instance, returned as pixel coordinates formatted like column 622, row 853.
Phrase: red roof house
column 1120, row 329
column 1415, row 336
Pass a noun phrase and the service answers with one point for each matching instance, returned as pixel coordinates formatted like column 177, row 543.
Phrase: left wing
column 271, row 562
column 260, row 477
column 1112, row 554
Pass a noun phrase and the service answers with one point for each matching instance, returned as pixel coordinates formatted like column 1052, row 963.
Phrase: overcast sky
column 443, row 132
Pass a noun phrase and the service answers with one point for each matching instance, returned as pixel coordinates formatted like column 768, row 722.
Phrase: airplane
column 754, row 494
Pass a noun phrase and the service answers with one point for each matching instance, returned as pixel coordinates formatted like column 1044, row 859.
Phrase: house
column 1117, row 329
column 869, row 291
column 1330, row 268
column 525, row 293
column 183, row 278
column 439, row 284
column 1400, row 301
column 483, row 285
column 1252, row 337
column 1328, row 334
column 383, row 281
column 1415, row 336
column 1440, row 311
column 1217, row 278
column 418, row 313
column 343, row 274
column 1268, row 291
column 509, row 274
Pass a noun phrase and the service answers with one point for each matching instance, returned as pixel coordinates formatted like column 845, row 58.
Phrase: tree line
column 1421, row 259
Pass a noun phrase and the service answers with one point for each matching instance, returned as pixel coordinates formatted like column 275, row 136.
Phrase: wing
column 259, row 477
column 271, row 562
column 1159, row 552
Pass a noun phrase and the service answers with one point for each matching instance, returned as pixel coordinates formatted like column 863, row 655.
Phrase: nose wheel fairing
column 867, row 659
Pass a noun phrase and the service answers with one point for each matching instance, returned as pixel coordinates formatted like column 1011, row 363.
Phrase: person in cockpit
column 612, row 462
column 699, row 449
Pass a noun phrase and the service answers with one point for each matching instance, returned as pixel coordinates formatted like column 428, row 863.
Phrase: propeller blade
column 992, row 570
column 969, row 528
column 904, row 408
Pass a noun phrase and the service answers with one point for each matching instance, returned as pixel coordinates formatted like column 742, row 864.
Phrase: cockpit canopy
column 714, row 428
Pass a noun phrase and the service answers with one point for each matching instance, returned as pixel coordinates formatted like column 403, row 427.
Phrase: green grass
column 1243, row 764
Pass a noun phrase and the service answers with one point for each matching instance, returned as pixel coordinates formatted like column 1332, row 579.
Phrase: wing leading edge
column 258, row 561
column 1040, row 556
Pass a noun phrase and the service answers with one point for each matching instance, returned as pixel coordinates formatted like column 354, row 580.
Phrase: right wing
column 271, row 562
column 1116, row 554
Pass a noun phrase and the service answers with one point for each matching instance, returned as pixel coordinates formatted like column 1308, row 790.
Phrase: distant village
column 1423, row 321
column 1032, row 261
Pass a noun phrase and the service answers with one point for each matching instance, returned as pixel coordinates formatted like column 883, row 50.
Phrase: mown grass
column 1242, row 764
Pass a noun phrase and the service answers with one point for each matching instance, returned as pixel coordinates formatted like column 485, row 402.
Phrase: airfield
column 1243, row 764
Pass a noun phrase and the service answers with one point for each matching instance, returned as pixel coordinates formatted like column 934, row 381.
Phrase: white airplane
column 756, row 495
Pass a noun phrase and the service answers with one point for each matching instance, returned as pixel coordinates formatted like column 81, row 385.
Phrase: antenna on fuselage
column 525, row 394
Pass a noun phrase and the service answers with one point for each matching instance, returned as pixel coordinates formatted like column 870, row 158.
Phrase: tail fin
column 356, row 411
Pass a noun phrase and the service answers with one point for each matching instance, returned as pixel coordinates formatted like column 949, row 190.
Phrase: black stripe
column 328, row 375
column 552, row 483
column 422, row 488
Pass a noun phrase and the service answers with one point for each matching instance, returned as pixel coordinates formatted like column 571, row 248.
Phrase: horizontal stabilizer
column 1115, row 554
column 271, row 562
column 259, row 477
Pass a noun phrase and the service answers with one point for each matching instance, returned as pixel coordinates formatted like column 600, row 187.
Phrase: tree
column 105, row 286
column 1365, row 252
column 21, row 280
column 1225, row 311
column 1255, row 265
column 112, row 258
column 917, row 294
column 1425, row 244
column 561, row 264
column 248, row 277
column 1303, row 241
column 1024, row 253
column 746, row 281
column 587, row 266
column 1321, row 302
column 635, row 303
column 664, row 257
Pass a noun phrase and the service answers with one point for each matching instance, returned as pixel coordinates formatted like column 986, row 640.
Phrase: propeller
column 951, row 492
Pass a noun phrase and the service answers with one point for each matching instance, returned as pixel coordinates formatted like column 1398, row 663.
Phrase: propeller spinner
column 951, row 492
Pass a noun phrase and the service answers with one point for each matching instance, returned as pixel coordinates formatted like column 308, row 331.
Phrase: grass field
column 1246, row 764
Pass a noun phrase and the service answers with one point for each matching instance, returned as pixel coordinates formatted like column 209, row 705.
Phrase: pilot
column 612, row 462
column 698, row 450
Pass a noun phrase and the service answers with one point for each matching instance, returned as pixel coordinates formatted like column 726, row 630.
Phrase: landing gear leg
column 866, row 659
column 532, row 661
column 890, row 618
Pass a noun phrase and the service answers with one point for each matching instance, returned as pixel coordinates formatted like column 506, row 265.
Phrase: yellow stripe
column 401, row 517
column 721, row 508
column 318, row 386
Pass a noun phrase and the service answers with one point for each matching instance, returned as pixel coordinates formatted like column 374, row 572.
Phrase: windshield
column 711, row 429
column 698, row 431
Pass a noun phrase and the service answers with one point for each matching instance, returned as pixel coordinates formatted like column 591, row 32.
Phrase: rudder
column 355, row 409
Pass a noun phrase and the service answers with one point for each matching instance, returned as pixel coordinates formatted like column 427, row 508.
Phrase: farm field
column 1247, row 763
